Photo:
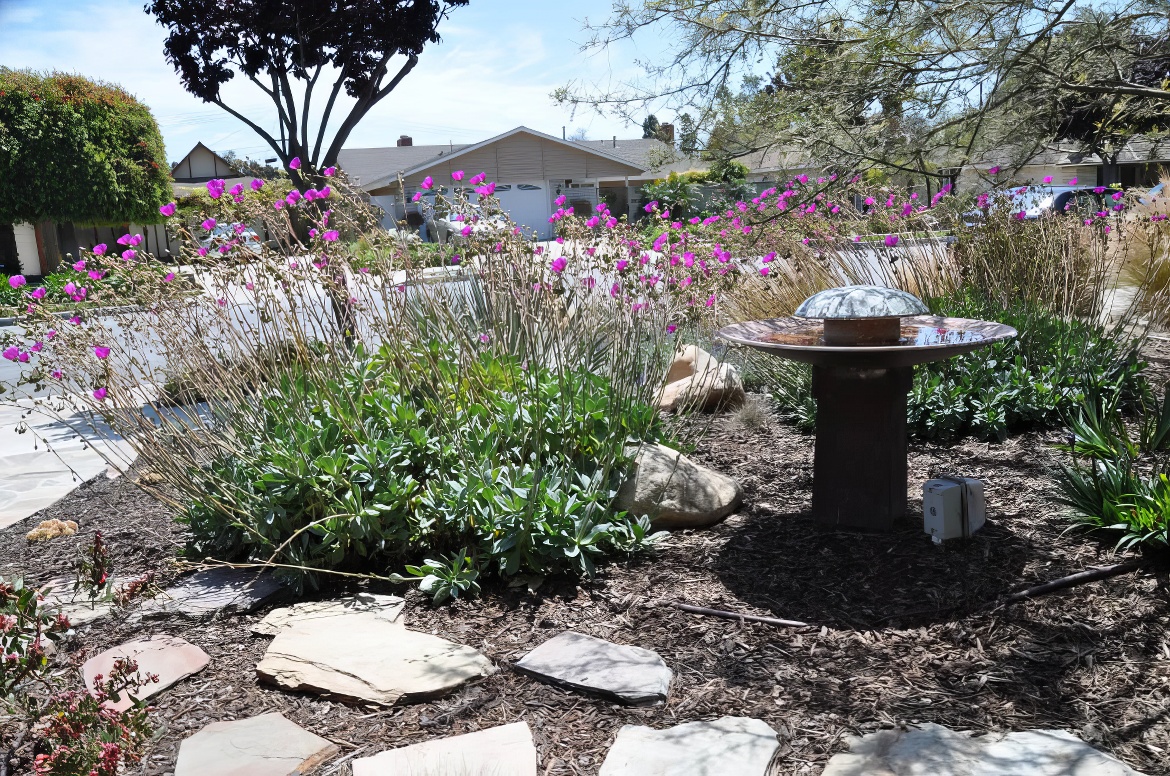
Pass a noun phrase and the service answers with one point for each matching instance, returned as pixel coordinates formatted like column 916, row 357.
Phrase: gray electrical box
column 952, row 507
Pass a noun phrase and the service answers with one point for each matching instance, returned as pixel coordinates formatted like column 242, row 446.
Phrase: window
column 527, row 187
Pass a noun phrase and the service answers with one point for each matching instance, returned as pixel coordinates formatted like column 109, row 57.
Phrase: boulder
column 507, row 750
column 675, row 492
column 630, row 675
column 388, row 607
column 267, row 745
column 367, row 658
column 697, row 381
column 171, row 658
column 934, row 750
column 729, row 745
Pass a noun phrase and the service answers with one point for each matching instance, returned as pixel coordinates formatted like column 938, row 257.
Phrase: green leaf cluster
column 76, row 150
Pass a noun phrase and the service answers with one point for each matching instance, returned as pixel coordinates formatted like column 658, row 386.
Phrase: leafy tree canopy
column 913, row 86
column 285, row 47
column 76, row 150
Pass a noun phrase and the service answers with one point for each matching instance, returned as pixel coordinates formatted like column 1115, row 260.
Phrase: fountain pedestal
column 859, row 463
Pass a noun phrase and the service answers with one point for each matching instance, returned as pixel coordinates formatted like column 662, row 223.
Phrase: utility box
column 952, row 507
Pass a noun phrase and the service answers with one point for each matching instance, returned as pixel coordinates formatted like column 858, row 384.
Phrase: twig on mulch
column 1072, row 580
column 737, row 616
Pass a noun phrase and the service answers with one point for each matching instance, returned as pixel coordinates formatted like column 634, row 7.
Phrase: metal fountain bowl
column 869, row 327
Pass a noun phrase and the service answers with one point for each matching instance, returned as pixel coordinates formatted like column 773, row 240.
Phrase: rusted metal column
column 859, row 467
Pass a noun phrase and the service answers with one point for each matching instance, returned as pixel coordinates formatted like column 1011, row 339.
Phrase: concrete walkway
column 46, row 453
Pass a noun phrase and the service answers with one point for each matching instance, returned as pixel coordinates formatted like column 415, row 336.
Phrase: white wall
column 26, row 249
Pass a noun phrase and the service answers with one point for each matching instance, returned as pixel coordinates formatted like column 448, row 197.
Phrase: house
column 1140, row 163
column 530, row 168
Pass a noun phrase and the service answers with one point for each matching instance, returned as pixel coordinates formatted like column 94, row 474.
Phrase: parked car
column 1037, row 201
column 224, row 233
column 1151, row 195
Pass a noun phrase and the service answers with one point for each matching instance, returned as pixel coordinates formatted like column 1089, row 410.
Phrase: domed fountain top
column 861, row 302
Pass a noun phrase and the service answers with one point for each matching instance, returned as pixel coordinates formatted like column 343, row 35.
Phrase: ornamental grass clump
column 325, row 410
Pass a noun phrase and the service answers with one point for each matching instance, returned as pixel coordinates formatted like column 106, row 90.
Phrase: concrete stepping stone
column 220, row 590
column 934, row 750
column 388, row 607
column 630, row 675
column 739, row 745
column 171, row 657
column 267, row 745
column 367, row 658
column 504, row 750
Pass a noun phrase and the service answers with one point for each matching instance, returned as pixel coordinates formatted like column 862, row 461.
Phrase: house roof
column 369, row 166
column 196, row 147
column 1136, row 151
column 647, row 153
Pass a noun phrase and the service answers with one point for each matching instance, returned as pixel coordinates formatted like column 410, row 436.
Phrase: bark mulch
column 897, row 634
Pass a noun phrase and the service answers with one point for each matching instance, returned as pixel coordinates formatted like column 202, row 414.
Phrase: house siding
column 202, row 164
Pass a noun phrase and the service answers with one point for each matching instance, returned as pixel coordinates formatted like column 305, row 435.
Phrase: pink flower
column 95, row 274
column 169, row 277
column 295, row 163
column 37, row 347
column 101, row 352
column 1099, row 190
column 1072, row 181
column 671, row 328
column 39, row 293
column 209, row 224
column 135, row 241
column 417, row 196
column 127, row 255
column 79, row 266
column 427, row 183
column 891, row 240
column 293, row 197
column 559, row 264
column 75, row 320
column 124, row 240
column 1048, row 179
column 324, row 192
column 561, row 201
column 312, row 232
column 465, row 231
column 16, row 281
column 477, row 179
column 994, row 170
column 278, row 204
column 711, row 299
column 201, row 251
column 11, row 353
column 168, row 209
column 485, row 338
column 329, row 172
column 256, row 184
column 237, row 190
column 100, row 394
column 57, row 374
column 99, row 249
column 457, row 175
column 215, row 188
column 50, row 334
column 330, row 235
column 763, row 270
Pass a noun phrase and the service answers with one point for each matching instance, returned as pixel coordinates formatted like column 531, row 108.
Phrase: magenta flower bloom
column 37, row 347
column 802, row 179
column 1099, row 190
column 75, row 320
column 559, row 264
column 57, row 374
column 237, row 190
column 16, row 281
column 994, row 170
column 465, row 231
column 457, row 175
column 324, row 192
column 1072, row 181
column 313, row 233
column 1048, row 179
column 50, row 334
column 763, row 270
column 891, row 240
column 477, row 179
column 168, row 209
column 128, row 255
column 278, row 204
column 215, row 188
column 169, row 277
column 417, row 196
column 329, row 172
column 39, row 293
column 209, row 224
column 99, row 249
column 293, row 197
column 428, row 183
column 124, row 240
column 256, row 184
column 202, row 251
column 100, row 394
column 101, row 352
column 11, row 352
column 295, row 163
column 331, row 235
column 96, row 274
column 79, row 266
column 135, row 241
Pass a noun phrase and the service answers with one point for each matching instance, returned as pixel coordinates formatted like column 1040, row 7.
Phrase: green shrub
column 1117, row 479
column 1035, row 380
column 9, row 296
column 519, row 471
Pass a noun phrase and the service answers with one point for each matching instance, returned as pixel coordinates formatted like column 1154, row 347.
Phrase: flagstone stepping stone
column 365, row 657
column 267, row 745
column 219, row 590
column 170, row 657
column 388, row 607
column 506, row 750
column 629, row 675
column 74, row 604
column 934, row 750
column 739, row 745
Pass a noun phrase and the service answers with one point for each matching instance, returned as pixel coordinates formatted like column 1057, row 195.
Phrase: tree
column 75, row 150
column 250, row 166
column 650, row 127
column 688, row 135
column 912, row 86
column 285, row 47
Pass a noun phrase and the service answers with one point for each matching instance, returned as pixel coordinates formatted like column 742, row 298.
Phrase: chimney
column 405, row 140
column 667, row 133
column 615, row 141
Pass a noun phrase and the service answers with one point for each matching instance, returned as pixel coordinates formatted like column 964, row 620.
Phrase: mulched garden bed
column 896, row 631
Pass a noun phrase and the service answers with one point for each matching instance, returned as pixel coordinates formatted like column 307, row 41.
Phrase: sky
column 495, row 69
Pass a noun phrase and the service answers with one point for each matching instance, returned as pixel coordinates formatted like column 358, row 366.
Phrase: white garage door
column 26, row 249
column 528, row 204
